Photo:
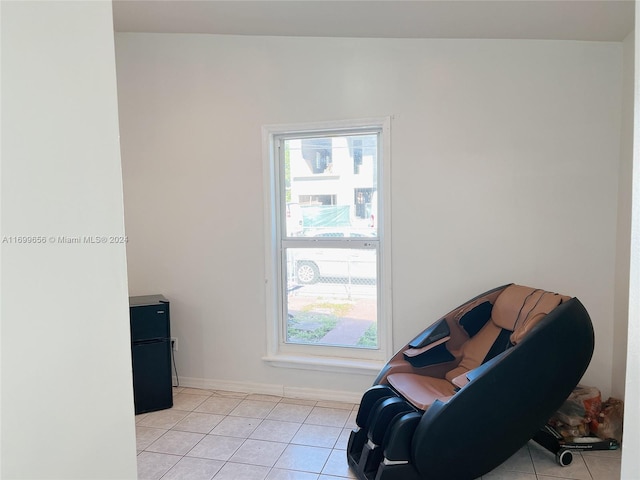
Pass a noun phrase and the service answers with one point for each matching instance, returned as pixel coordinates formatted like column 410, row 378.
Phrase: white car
column 355, row 265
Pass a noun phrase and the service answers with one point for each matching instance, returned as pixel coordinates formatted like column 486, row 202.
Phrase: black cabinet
column 151, row 352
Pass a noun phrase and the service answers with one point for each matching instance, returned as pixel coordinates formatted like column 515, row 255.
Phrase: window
column 327, row 259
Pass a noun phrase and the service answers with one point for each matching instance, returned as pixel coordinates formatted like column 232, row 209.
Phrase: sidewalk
column 349, row 330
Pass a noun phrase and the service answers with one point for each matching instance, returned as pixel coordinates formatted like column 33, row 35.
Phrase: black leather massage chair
column 473, row 388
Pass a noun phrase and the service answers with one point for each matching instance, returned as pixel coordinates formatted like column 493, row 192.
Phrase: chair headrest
column 519, row 309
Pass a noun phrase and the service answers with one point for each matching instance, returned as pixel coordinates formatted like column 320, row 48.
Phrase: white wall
column 621, row 305
column 630, row 459
column 67, row 401
column 505, row 160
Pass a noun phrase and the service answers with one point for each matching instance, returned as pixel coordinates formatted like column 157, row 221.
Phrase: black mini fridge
column 151, row 353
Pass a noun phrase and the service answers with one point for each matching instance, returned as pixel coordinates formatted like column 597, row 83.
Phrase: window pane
column 330, row 185
column 332, row 296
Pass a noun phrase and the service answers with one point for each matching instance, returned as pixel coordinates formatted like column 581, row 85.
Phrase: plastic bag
column 582, row 406
column 569, row 433
column 609, row 422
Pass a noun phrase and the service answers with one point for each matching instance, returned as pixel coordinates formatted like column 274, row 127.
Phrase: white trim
column 271, row 389
column 271, row 262
column 630, row 463
column 326, row 364
column 384, row 210
column 322, row 394
column 231, row 386
column 297, row 356
column 327, row 126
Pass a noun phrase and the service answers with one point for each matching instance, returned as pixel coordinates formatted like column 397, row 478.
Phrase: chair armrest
column 461, row 380
column 435, row 332
column 470, row 375
column 414, row 352
column 431, row 354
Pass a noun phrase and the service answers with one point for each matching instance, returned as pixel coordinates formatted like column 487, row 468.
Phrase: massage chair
column 473, row 388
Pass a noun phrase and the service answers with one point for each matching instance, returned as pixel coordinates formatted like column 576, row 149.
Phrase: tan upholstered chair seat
column 419, row 390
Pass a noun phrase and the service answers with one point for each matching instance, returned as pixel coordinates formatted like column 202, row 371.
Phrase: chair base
column 550, row 439
column 366, row 467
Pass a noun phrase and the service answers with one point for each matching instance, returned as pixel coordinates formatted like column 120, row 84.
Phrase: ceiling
column 590, row 20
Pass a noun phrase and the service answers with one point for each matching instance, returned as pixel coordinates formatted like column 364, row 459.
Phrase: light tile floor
column 230, row 436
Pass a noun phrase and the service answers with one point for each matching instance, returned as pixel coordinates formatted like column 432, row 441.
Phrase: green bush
column 370, row 337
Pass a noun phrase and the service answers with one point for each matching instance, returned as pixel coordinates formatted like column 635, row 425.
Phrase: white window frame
column 321, row 357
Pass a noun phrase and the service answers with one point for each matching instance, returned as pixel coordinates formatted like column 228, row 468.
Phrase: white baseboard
column 323, row 394
column 271, row 389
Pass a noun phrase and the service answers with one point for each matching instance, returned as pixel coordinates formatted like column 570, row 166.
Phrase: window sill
column 325, row 364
